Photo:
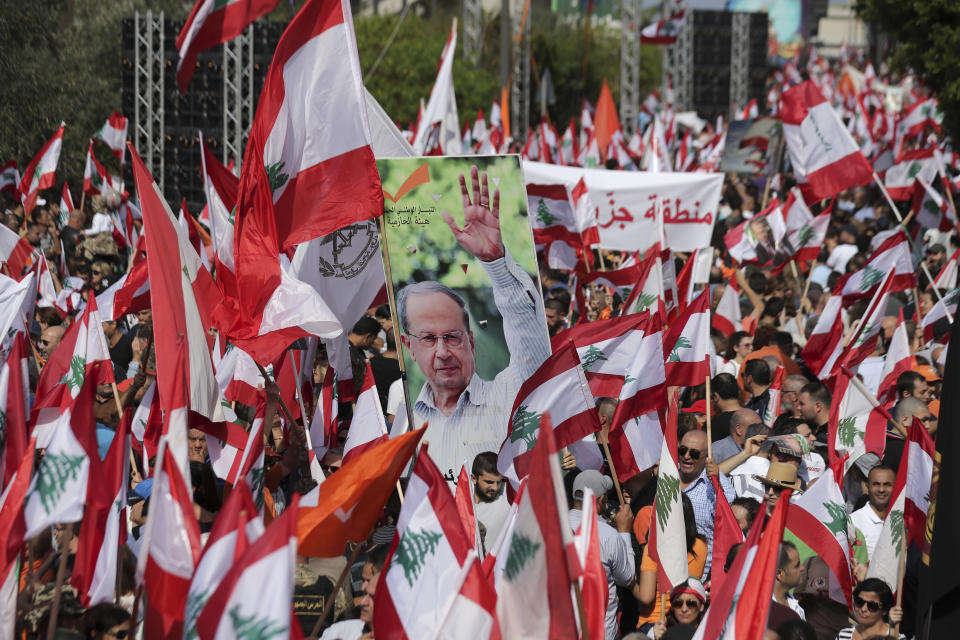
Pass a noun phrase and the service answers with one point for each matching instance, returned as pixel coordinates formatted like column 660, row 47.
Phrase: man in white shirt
column 616, row 549
column 868, row 519
column 789, row 575
column 489, row 500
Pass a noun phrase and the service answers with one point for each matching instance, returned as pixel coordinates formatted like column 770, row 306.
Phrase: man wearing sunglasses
column 466, row 414
column 692, row 464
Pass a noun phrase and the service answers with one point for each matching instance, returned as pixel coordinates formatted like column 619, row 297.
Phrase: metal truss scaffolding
column 472, row 30
column 237, row 94
column 629, row 63
column 678, row 64
column 739, row 61
column 520, row 80
column 148, row 135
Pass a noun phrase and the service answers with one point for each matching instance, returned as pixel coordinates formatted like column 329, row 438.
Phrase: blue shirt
column 704, row 501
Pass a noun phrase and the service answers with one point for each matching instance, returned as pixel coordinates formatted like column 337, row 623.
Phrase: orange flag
column 352, row 499
column 605, row 122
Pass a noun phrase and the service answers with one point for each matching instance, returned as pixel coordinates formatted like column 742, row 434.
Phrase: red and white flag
column 113, row 133
column 945, row 308
column 439, row 130
column 41, row 173
column 593, row 582
column 559, row 387
column 921, row 451
column 96, row 179
column 104, row 526
column 825, row 343
column 15, row 252
column 755, row 240
column 668, row 542
column 192, row 228
column 920, row 115
column 210, row 23
column 419, row 579
column 858, row 423
column 804, row 234
column 772, row 409
column 663, row 31
column 535, row 598
column 15, row 405
column 220, row 187
column 865, row 337
column 894, row 534
column 237, row 526
column 567, row 231
column 241, row 607
column 897, row 360
column 822, row 151
column 910, row 165
column 726, row 533
column 367, row 427
column 317, row 151
column 892, row 256
column 686, row 344
column 463, row 496
column 818, row 517
column 12, row 539
column 129, row 294
column 66, row 205
column 10, row 179
column 324, row 426
column 727, row 316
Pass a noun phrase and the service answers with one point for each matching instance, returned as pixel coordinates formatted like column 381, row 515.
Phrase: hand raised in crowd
column 568, row 462
column 480, row 235
column 624, row 519
column 753, row 445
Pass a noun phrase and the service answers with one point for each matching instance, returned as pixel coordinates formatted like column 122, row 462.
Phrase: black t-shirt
column 121, row 354
column 720, row 426
column 385, row 372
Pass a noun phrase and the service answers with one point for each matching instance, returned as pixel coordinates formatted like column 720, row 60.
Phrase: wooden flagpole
column 709, row 419
column 58, row 587
column 328, row 605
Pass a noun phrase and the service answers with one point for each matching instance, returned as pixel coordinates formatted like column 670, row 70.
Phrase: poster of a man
column 465, row 357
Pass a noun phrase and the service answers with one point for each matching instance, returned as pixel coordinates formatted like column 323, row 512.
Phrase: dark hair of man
column 758, row 282
column 796, row 629
column 103, row 617
column 757, row 429
column 733, row 341
column 784, row 341
column 382, row 312
column 784, row 559
column 818, row 392
column 751, row 505
column 879, row 587
column 757, row 369
column 556, row 305
column 562, row 296
column 906, row 382
column 786, row 425
column 484, row 462
column 366, row 326
column 725, row 386
column 554, row 274
column 882, row 467
column 377, row 556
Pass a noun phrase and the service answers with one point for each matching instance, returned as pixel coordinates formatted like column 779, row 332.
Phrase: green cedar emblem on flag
column 74, row 377
column 871, row 276
column 591, row 357
column 838, row 518
column 913, row 170
column 257, row 475
column 804, row 235
column 682, row 343
column 522, row 549
column 526, row 426
column 668, row 492
column 55, row 471
column 250, row 628
column 413, row 550
column 847, row 432
column 195, row 604
column 276, row 176
column 644, row 301
column 896, row 529
column 543, row 214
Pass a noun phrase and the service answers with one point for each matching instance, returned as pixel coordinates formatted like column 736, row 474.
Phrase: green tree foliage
column 924, row 37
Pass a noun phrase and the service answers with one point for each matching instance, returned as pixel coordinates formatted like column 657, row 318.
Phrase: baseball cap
column 594, row 480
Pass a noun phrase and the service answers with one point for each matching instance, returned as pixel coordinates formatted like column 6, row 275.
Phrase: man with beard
column 489, row 501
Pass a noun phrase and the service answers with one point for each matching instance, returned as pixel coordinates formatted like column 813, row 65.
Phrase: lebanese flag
column 535, row 599
column 818, row 517
column 897, row 360
column 647, row 293
column 590, row 153
column 663, row 31
column 185, row 291
column 10, row 179
column 568, row 145
column 495, row 560
column 607, row 349
column 821, row 149
column 944, row 308
column 129, row 294
column 324, row 426
column 220, row 187
column 726, row 533
column 81, row 354
column 919, row 116
column 192, row 228
column 742, row 241
column 210, row 23
column 559, row 387
column 726, row 317
column 241, row 607
column 555, row 225
column 668, row 541
column 96, row 179
column 621, row 281
column 170, row 546
column 429, row 549
column 113, row 133
column 12, row 539
column 15, row 399
column 60, row 489
column 317, row 150
column 686, row 344
column 104, row 526
column 41, row 173
column 234, row 450
column 910, row 166
column 351, row 500
column 593, row 582
column 367, row 428
column 438, row 132
column 773, row 405
column 864, row 339
column 463, row 496
column 805, row 233
column 695, row 271
column 66, row 205
column 686, row 153
column 892, row 256
column 931, row 209
column 739, row 611
column 750, row 111
column 858, row 423
column 894, row 535
column 236, row 527
column 825, row 343
column 266, row 309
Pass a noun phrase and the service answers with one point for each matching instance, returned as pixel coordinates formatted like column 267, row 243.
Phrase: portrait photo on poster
column 466, row 288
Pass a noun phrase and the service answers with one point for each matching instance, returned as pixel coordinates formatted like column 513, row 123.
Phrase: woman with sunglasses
column 688, row 601
column 874, row 610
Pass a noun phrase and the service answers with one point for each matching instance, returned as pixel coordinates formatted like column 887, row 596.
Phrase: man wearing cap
column 616, row 547
column 740, row 421
column 868, row 519
column 935, row 259
column 692, row 465
column 780, row 476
